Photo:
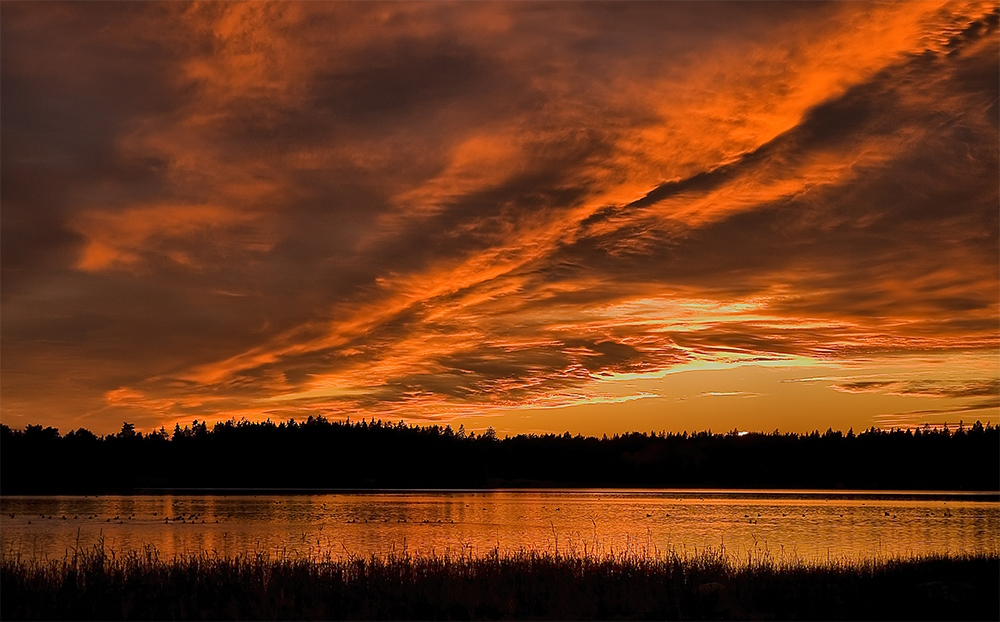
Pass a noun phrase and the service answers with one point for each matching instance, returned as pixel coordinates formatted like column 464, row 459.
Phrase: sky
column 540, row 217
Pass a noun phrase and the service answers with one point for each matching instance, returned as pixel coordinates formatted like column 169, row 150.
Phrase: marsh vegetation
column 630, row 584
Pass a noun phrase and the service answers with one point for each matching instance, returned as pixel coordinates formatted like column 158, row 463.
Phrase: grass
column 95, row 584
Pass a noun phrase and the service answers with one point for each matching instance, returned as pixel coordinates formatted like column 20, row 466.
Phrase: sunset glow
column 532, row 216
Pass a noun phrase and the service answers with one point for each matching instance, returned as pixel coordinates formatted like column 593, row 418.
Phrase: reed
column 635, row 584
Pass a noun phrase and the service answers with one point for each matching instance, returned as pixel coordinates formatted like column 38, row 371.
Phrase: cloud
column 927, row 388
column 264, row 208
column 120, row 239
column 728, row 394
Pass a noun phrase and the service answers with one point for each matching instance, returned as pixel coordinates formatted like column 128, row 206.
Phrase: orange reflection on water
column 786, row 525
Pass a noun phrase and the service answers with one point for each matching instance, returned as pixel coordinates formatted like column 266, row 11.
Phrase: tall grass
column 634, row 584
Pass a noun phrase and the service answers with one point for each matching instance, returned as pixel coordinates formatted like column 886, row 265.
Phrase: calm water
column 798, row 524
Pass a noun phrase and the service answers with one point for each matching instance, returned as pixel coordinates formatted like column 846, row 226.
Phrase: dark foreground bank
column 498, row 586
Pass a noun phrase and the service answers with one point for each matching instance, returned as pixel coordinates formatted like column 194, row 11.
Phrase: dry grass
column 638, row 584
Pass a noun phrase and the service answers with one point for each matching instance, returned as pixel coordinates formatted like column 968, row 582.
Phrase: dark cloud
column 982, row 388
column 407, row 81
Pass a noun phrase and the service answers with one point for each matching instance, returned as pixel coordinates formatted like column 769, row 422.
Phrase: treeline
column 318, row 453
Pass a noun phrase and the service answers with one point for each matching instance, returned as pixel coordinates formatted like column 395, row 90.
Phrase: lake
column 804, row 525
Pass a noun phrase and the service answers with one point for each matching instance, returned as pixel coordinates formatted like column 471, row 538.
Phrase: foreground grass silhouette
column 524, row 585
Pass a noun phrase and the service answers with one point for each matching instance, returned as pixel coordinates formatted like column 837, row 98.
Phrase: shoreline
column 847, row 493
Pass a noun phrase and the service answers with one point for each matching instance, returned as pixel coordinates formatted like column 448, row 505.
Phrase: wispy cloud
column 728, row 394
column 928, row 388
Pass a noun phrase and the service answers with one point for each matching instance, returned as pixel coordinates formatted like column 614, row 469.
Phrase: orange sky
column 536, row 216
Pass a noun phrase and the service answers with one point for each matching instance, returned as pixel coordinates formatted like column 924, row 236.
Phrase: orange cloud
column 120, row 239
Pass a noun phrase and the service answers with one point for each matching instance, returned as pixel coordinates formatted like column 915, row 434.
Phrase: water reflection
column 799, row 524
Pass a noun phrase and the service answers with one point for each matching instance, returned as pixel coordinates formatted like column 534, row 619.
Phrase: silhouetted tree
column 321, row 454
